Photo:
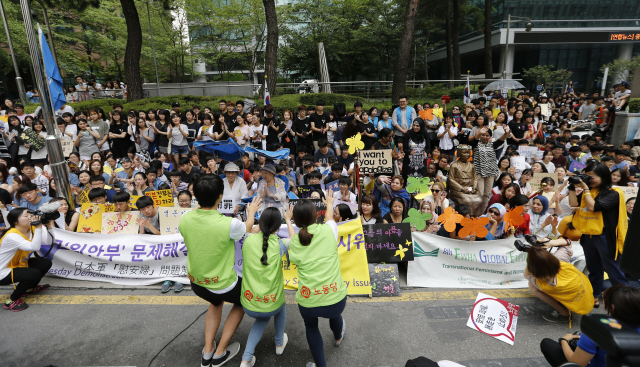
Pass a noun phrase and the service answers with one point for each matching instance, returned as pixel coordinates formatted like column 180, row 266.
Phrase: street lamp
column 506, row 44
column 19, row 82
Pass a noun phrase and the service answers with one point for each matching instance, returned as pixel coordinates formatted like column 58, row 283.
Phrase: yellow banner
column 133, row 200
column 353, row 261
column 161, row 197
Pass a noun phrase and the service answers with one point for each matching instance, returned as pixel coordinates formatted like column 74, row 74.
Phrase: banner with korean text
column 446, row 263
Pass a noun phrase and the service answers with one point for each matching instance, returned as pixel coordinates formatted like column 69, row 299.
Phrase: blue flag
column 56, row 88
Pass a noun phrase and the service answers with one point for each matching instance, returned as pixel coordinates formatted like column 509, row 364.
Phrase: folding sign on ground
column 494, row 317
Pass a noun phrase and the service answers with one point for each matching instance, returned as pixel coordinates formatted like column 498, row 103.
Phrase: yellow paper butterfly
column 355, row 143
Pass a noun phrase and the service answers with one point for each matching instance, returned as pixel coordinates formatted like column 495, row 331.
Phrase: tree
column 448, row 44
column 455, row 35
column 271, row 53
column 545, row 75
column 620, row 69
column 404, row 51
column 488, row 67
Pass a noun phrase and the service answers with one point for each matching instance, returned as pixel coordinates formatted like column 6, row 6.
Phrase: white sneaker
column 249, row 364
column 279, row 350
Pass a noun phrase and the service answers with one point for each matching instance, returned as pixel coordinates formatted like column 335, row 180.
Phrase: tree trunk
column 447, row 21
column 455, row 35
column 134, row 47
column 271, row 51
column 488, row 65
column 404, row 51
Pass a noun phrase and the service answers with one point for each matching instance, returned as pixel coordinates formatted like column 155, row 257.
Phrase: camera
column 47, row 212
column 530, row 240
column 575, row 180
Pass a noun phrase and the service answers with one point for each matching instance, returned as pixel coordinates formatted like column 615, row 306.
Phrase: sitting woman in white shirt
column 233, row 186
column 344, row 194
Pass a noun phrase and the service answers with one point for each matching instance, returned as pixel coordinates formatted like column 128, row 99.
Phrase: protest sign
column 388, row 243
column 91, row 217
column 31, row 137
column 133, row 200
column 304, row 191
column 170, row 219
column 320, row 208
column 353, row 260
column 120, row 223
column 83, row 197
column 494, row 317
column 528, row 152
column 333, row 186
column 227, row 205
column 67, row 147
column 161, row 197
column 375, row 161
column 629, row 192
column 537, row 178
column 576, row 166
column 385, row 280
column 519, row 163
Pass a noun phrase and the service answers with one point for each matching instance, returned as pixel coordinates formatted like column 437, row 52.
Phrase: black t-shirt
column 634, row 171
column 369, row 129
column 378, row 146
column 188, row 177
column 119, row 129
column 387, row 217
column 303, row 126
column 607, row 202
column 319, row 122
column 192, row 130
column 163, row 140
column 230, row 120
column 5, row 197
column 345, row 162
column 272, row 138
column 518, row 131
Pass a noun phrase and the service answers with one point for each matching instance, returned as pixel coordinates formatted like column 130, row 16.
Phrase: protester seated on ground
column 503, row 180
column 29, row 169
column 31, row 198
column 514, row 203
column 139, row 185
column 345, row 194
column 98, row 196
column 439, row 198
column 184, row 199
column 465, row 212
column 556, row 282
column 336, row 173
column 176, row 184
column 71, row 217
column 503, row 198
column 622, row 303
column 121, row 202
column 314, row 178
column 98, row 182
column 271, row 188
column 322, row 155
column 387, row 188
column 542, row 223
column 317, row 194
column 397, row 213
column 496, row 226
column 15, row 266
column 342, row 212
column 428, row 206
column 370, row 210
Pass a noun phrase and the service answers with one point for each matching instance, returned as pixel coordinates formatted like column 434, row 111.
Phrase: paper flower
column 449, row 218
column 355, row 143
column 417, row 219
column 418, row 184
column 474, row 226
column 514, row 217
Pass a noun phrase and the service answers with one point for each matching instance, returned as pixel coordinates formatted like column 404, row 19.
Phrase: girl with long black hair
column 416, row 147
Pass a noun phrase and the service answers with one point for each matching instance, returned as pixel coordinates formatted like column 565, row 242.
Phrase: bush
column 634, row 105
column 233, row 77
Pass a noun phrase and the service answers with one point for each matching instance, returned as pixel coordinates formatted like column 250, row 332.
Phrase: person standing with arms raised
column 209, row 237
column 321, row 291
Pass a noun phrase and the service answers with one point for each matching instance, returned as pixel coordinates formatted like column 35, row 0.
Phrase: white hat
column 231, row 167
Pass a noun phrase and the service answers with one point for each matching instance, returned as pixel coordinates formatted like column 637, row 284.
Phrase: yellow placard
column 161, row 197
column 90, row 218
column 353, row 261
column 133, row 201
column 83, row 197
column 170, row 219
column 120, row 223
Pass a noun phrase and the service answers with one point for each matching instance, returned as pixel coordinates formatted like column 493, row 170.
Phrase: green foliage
column 634, row 105
column 545, row 75
column 619, row 68
column 329, row 99
column 232, row 77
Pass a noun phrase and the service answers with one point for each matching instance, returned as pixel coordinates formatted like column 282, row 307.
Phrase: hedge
column 634, row 105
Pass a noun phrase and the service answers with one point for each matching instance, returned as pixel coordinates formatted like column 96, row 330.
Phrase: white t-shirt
column 263, row 129
column 446, row 142
column 13, row 242
column 64, row 109
column 205, row 137
column 352, row 196
column 42, row 183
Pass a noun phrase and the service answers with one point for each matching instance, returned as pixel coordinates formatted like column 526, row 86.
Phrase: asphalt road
column 106, row 325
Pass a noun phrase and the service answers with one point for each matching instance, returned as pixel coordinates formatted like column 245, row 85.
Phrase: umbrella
column 228, row 150
column 504, row 84
column 278, row 154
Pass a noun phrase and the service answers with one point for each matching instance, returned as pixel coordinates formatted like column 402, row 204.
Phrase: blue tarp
column 279, row 154
column 228, row 150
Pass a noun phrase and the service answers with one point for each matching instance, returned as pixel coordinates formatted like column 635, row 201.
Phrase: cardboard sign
column 630, row 192
column 67, row 147
column 161, row 197
column 320, row 208
column 537, row 178
column 120, row 223
column 227, row 205
column 385, row 280
column 494, row 317
column 375, row 161
column 170, row 219
column 518, row 163
column 333, row 186
column 576, row 166
column 83, row 197
column 388, row 243
column 32, row 138
column 528, row 152
column 304, row 191
column 91, row 217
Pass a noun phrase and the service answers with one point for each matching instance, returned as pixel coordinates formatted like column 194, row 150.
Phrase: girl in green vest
column 263, row 282
column 321, row 291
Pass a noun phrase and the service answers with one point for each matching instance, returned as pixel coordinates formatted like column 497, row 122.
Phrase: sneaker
column 344, row 328
column 166, row 286
column 38, row 288
column 279, row 350
column 207, row 362
column 249, row 364
column 178, row 287
column 231, row 352
column 17, row 305
column 556, row 317
column 311, row 364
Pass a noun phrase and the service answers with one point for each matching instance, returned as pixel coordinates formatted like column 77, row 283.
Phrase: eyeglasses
column 456, row 109
column 494, row 212
column 435, row 191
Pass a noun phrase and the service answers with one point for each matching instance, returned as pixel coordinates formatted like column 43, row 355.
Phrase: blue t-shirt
column 123, row 174
column 590, row 347
column 28, row 205
column 621, row 165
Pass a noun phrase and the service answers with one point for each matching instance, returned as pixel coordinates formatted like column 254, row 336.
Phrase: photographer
column 621, row 302
column 557, row 283
column 15, row 247
column 600, row 219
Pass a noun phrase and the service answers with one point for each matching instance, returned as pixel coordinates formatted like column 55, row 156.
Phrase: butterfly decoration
column 437, row 112
column 474, row 226
column 449, row 218
column 400, row 252
column 418, row 184
column 429, row 113
column 417, row 219
column 514, row 217
column 355, row 143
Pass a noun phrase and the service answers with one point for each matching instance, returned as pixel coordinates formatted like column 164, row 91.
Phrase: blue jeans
column 314, row 338
column 179, row 149
column 596, row 253
column 262, row 319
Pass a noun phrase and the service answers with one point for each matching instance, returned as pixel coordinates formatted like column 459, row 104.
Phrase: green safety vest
column 262, row 285
column 318, row 264
column 211, row 253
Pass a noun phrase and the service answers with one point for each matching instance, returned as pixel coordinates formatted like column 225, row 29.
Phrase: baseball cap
column 175, row 104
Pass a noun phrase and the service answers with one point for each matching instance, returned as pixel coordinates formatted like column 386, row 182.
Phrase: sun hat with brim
column 231, row 167
column 270, row 168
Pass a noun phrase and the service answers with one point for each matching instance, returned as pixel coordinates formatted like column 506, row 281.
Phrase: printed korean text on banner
column 385, row 280
column 227, row 205
column 161, row 197
column 120, row 223
column 388, row 243
column 538, row 177
column 304, row 191
column 91, row 217
column 321, row 209
column 67, row 147
column 353, row 260
column 375, row 161
column 494, row 317
column 170, row 219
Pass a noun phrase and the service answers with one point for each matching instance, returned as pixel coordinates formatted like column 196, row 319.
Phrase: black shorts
column 233, row 296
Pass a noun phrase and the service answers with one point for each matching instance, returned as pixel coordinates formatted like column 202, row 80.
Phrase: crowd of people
column 470, row 153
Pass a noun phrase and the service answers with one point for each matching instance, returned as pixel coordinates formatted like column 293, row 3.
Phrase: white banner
column 445, row 263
